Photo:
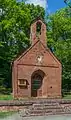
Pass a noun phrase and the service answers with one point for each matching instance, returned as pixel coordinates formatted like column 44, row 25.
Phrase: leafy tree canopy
column 59, row 38
column 15, row 20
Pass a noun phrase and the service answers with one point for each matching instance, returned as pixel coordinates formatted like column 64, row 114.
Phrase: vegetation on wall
column 15, row 21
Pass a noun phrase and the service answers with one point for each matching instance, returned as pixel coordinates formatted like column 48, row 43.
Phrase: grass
column 67, row 97
column 6, row 97
column 10, row 97
column 5, row 114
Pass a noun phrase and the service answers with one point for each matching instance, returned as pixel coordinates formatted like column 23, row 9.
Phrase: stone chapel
column 37, row 72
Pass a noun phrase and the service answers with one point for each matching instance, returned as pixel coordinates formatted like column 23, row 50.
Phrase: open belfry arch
column 38, row 32
column 37, row 72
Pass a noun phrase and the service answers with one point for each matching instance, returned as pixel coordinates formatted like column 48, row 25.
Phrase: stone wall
column 38, row 106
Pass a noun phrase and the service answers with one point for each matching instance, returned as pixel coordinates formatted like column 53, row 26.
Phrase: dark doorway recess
column 36, row 82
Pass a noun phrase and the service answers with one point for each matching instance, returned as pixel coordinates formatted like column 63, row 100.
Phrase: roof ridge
column 23, row 53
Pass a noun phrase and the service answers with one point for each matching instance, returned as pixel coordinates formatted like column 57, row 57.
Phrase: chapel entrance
column 36, row 83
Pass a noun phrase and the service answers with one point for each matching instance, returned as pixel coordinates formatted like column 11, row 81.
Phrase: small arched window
column 38, row 28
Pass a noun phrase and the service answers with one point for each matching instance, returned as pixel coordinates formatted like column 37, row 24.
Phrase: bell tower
column 38, row 32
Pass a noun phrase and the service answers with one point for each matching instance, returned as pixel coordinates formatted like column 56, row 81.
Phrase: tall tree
column 59, row 37
column 15, row 20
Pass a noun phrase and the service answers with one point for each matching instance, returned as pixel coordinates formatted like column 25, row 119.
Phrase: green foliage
column 6, row 97
column 59, row 37
column 15, row 20
column 5, row 114
column 68, row 2
column 68, row 96
column 4, row 90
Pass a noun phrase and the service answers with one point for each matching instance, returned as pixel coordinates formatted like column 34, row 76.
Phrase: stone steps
column 45, row 108
column 46, row 111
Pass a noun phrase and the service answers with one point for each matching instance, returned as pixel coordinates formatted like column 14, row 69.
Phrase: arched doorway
column 36, row 83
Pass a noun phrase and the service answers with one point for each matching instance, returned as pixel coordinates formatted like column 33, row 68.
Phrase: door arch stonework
column 36, row 83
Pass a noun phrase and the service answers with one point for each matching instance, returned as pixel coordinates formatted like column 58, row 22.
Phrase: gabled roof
column 47, row 49
column 23, row 52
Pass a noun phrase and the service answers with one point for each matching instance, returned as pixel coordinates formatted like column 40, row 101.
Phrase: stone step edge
column 47, row 114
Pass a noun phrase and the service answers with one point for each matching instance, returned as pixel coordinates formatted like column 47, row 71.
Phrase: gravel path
column 59, row 117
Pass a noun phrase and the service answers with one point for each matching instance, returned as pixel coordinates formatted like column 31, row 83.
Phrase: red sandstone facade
column 37, row 72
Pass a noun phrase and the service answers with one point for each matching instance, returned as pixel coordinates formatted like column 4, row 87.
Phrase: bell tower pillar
column 38, row 32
